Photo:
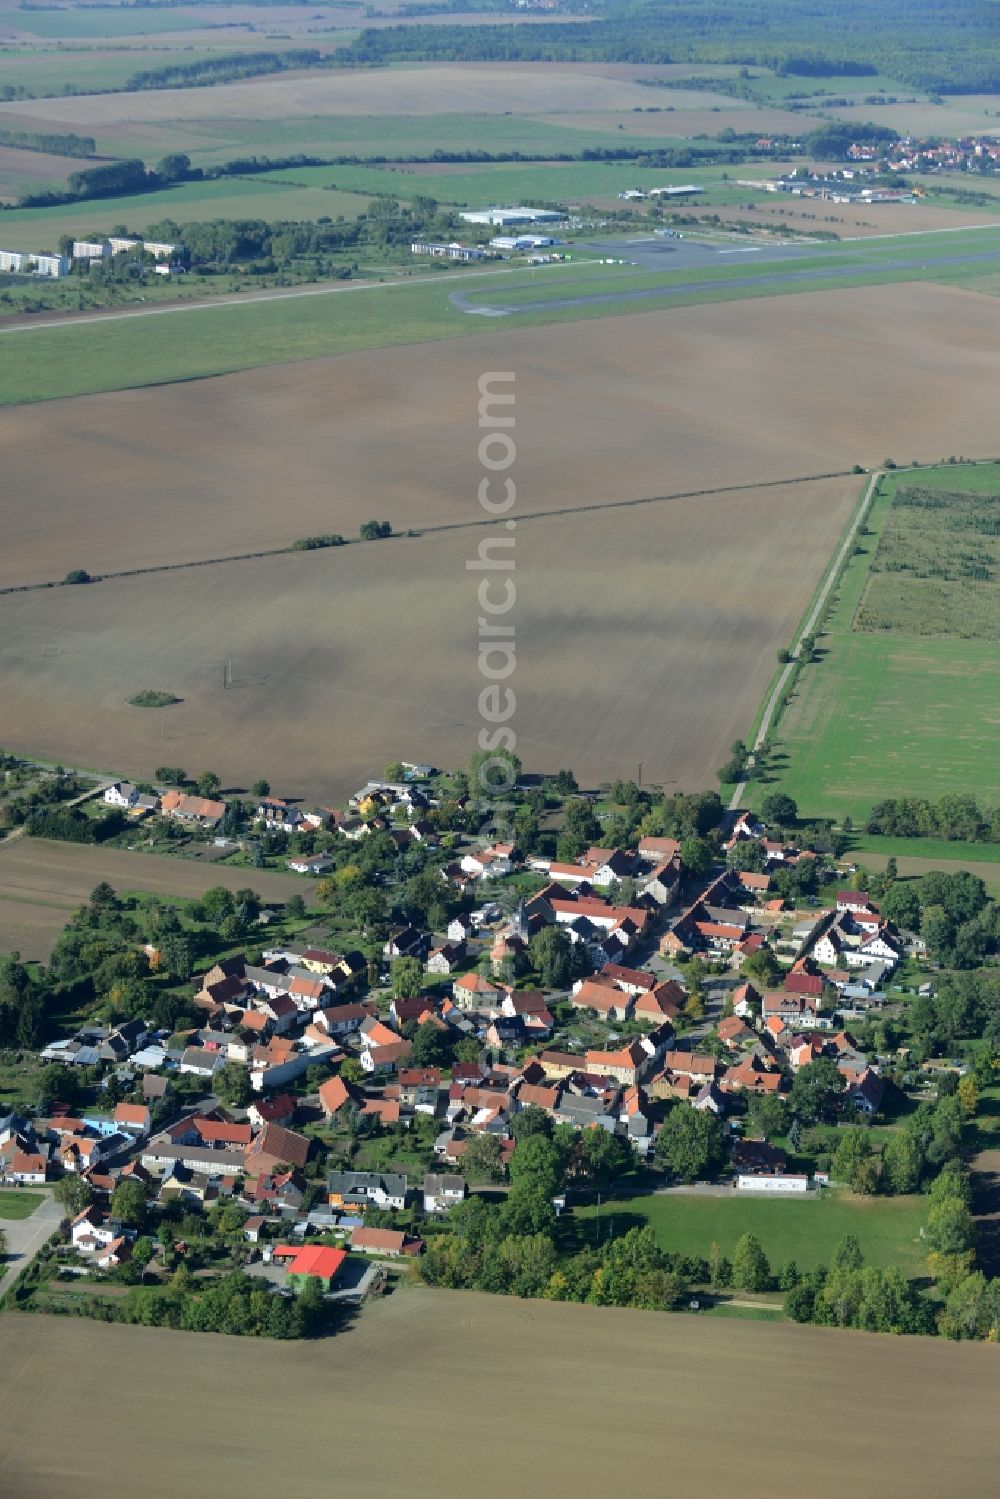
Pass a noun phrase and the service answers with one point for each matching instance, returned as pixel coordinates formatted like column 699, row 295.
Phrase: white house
column 278, row 814
column 312, row 864
column 27, row 1168
column 855, row 901
column 92, row 1230
column 200, row 1062
column 875, row 949
column 446, row 959
column 441, row 1193
column 662, row 883
column 882, row 947
column 460, row 928
column 489, row 864
column 120, row 794
column 133, row 1119
column 829, row 947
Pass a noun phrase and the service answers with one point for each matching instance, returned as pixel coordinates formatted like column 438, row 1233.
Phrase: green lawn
column 744, row 1313
column 807, row 1231
column 18, row 1080
column 508, row 182
column 18, row 1204
column 188, row 202
column 88, row 69
column 928, row 848
column 890, row 714
column 100, row 21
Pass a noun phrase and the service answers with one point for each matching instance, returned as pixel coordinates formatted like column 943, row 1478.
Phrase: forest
column 922, row 43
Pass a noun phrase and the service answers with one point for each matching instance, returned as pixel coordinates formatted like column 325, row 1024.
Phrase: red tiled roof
column 312, row 1259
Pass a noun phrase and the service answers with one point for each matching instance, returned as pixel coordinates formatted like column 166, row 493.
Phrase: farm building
column 311, row 1262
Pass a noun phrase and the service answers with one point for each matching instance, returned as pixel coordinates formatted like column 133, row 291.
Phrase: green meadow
column 507, row 182
column 100, row 21
column 891, row 714
column 188, row 202
column 804, row 1230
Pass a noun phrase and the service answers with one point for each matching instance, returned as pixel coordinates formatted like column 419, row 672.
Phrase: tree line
column 57, row 145
column 955, row 817
column 226, row 69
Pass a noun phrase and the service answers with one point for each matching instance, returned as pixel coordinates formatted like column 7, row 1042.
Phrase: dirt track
column 451, row 1393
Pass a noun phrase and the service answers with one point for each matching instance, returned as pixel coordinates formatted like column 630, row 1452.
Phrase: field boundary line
column 806, row 627
column 414, row 533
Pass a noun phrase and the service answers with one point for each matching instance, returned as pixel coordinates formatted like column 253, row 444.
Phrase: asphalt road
column 25, row 1237
column 471, row 303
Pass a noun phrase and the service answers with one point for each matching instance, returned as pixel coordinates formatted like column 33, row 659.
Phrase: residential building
column 199, row 809
column 85, row 249
column 387, row 1241
column 441, row 1193
column 361, row 1189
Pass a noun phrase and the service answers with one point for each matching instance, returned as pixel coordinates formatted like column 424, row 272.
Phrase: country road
column 815, row 615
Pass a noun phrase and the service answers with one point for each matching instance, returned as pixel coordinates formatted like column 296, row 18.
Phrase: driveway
column 25, row 1237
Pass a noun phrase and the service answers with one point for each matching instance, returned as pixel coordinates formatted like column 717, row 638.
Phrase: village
column 597, row 994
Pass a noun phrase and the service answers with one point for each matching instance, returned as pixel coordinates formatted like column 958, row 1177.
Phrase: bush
column 151, row 697
column 78, row 575
column 316, row 543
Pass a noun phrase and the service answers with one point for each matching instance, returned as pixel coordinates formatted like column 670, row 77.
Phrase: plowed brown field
column 541, row 1399
column 644, row 633
column 622, row 408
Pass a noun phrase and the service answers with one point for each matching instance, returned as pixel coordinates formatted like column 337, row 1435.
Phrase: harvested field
column 21, row 171
column 914, row 865
column 42, row 882
column 424, row 1349
column 643, row 633
column 656, row 403
column 689, row 112
column 853, row 221
column 449, row 88
column 958, row 114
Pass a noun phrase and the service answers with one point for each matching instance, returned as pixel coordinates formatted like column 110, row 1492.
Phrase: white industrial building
column 684, row 191
column 453, row 251
column 500, row 218
column 749, row 1181
column 521, row 241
